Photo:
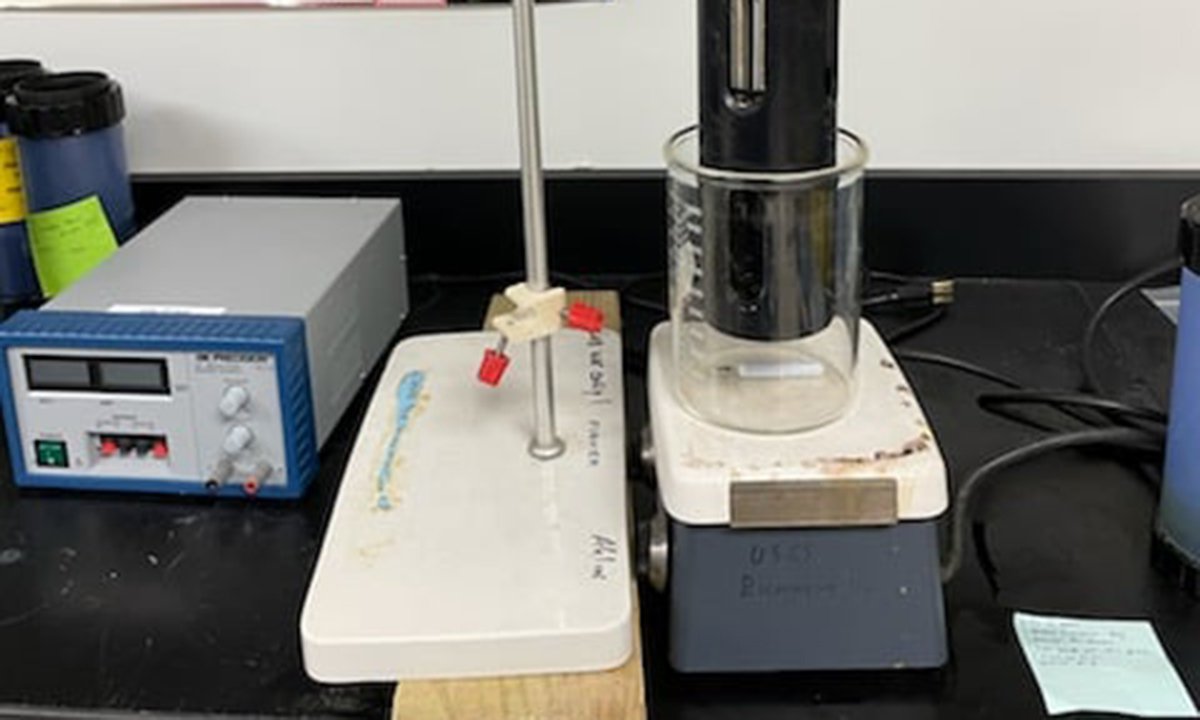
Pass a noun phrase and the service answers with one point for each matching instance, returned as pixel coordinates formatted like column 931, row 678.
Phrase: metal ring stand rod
column 546, row 444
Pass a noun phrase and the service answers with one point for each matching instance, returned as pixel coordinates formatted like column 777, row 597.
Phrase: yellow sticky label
column 12, row 198
column 68, row 241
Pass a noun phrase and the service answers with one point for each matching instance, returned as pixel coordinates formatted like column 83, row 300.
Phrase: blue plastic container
column 18, row 284
column 1179, row 504
column 72, row 144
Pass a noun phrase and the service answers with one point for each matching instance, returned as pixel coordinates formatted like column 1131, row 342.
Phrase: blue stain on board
column 408, row 394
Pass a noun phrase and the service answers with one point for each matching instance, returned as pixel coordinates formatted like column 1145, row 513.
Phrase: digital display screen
column 132, row 375
column 115, row 375
column 51, row 373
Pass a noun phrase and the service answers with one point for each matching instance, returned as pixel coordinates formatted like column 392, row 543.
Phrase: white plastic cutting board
column 451, row 552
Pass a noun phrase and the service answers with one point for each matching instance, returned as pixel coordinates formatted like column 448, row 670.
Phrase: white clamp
column 537, row 315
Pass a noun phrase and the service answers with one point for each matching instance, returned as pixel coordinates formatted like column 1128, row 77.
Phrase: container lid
column 60, row 104
column 1189, row 233
column 13, row 71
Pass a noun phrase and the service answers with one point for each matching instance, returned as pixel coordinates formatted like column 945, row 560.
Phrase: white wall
column 964, row 84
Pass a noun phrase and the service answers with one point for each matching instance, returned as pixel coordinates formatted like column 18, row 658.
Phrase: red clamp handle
column 585, row 317
column 491, row 370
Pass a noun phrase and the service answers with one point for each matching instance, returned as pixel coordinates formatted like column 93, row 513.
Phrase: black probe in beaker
column 768, row 84
column 768, row 104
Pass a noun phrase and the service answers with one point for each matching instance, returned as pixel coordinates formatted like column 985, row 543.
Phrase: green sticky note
column 1108, row 666
column 68, row 241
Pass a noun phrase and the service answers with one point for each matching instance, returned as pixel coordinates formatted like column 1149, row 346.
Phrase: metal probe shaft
column 546, row 444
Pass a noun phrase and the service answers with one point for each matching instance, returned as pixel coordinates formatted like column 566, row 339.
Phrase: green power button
column 51, row 453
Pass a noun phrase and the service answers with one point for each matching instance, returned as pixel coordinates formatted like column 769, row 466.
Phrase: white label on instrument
column 167, row 309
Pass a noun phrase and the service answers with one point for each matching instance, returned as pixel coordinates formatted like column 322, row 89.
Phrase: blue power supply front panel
column 146, row 402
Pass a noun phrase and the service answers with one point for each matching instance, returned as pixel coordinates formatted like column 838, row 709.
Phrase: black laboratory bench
column 118, row 604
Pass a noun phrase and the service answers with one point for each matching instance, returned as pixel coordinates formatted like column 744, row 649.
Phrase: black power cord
column 1124, row 438
column 1091, row 379
column 907, row 330
column 911, row 293
column 1148, row 437
column 1119, row 411
column 996, row 403
column 1115, row 424
column 930, row 358
column 934, row 292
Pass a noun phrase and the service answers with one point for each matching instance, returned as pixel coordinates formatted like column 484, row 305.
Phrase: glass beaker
column 764, row 289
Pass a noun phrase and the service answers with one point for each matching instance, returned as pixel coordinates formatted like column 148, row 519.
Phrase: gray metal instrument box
column 337, row 264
